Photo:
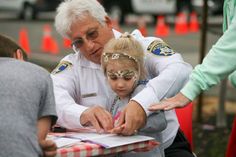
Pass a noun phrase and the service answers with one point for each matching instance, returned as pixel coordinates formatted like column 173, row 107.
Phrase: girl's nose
column 120, row 83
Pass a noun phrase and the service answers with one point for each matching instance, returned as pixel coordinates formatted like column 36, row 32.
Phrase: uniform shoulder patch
column 160, row 48
column 61, row 67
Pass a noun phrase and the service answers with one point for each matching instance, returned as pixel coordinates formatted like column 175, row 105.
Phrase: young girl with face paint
column 123, row 65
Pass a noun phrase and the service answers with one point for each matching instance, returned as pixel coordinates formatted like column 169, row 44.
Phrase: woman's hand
column 177, row 101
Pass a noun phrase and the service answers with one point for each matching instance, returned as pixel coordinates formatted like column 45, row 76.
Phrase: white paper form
column 63, row 141
column 109, row 140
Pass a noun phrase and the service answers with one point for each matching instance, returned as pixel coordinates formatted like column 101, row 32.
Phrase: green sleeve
column 218, row 64
column 232, row 78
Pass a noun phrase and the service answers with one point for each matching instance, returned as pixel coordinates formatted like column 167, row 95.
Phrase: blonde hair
column 125, row 47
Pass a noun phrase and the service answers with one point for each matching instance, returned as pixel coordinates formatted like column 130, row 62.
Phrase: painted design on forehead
column 115, row 56
column 123, row 74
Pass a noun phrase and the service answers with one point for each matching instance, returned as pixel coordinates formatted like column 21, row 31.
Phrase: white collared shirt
column 83, row 84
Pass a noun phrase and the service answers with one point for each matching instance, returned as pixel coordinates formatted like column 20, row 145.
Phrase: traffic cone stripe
column 24, row 40
column 142, row 26
column 193, row 25
column 181, row 26
column 161, row 28
column 49, row 44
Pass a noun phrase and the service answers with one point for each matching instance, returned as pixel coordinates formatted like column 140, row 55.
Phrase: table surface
column 86, row 149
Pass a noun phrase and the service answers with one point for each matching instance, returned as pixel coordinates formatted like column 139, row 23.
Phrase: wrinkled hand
column 49, row 148
column 177, row 101
column 132, row 118
column 98, row 117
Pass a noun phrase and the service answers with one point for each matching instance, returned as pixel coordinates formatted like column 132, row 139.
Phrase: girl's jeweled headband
column 114, row 56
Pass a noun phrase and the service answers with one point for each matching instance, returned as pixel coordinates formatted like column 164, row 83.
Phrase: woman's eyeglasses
column 90, row 35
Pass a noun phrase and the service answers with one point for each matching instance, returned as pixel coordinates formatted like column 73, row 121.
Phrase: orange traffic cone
column 54, row 47
column 193, row 25
column 24, row 40
column 142, row 27
column 49, row 45
column 161, row 28
column 66, row 43
column 46, row 41
column 181, row 26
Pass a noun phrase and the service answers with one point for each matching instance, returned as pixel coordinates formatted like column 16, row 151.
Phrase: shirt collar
column 116, row 33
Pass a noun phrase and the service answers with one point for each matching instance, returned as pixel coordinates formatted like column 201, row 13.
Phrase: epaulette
column 61, row 67
column 160, row 48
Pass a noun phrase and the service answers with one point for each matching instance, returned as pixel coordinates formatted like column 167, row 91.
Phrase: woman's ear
column 18, row 55
column 108, row 21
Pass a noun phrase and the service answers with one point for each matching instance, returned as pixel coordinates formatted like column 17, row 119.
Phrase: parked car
column 215, row 7
column 28, row 9
column 121, row 8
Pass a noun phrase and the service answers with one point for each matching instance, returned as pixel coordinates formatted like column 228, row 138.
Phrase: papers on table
column 113, row 140
column 105, row 140
column 63, row 141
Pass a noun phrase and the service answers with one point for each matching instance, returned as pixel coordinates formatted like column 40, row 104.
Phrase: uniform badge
column 61, row 66
column 160, row 48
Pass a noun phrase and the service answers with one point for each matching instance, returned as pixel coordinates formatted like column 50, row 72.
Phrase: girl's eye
column 127, row 78
column 113, row 77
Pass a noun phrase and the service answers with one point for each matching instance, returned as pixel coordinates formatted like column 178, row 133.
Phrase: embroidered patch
column 61, row 66
column 160, row 48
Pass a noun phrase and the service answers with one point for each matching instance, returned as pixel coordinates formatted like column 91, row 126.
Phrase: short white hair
column 71, row 10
